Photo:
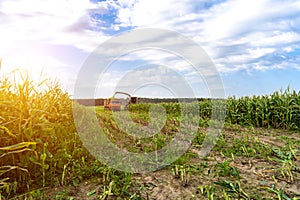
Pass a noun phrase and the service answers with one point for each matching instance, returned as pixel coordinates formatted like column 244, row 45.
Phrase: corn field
column 278, row 110
column 40, row 148
column 38, row 138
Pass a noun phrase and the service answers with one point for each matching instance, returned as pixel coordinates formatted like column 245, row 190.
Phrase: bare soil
column 256, row 174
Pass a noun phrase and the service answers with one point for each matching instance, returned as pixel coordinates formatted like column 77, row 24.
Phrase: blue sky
column 255, row 45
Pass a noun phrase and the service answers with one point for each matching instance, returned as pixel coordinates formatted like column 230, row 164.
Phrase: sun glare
column 38, row 68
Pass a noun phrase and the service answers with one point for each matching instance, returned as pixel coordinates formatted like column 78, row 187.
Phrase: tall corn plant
column 278, row 110
column 36, row 128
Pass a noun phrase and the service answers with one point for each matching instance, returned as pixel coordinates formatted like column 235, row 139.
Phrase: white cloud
column 59, row 22
column 277, row 38
column 226, row 19
column 248, row 56
column 254, row 23
column 259, row 27
column 148, row 13
column 237, row 34
column 28, row 29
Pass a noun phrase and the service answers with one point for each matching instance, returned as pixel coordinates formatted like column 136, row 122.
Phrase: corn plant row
column 278, row 110
column 38, row 140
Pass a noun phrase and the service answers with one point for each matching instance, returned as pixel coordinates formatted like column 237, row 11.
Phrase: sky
column 254, row 45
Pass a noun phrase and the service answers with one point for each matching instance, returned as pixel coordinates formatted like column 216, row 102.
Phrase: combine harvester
column 119, row 101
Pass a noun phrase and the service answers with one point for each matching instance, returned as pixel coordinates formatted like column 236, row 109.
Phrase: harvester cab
column 119, row 101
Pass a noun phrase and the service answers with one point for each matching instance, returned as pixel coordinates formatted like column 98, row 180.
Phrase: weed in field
column 280, row 193
column 207, row 191
column 286, row 158
column 183, row 172
column 246, row 146
column 233, row 190
column 224, row 169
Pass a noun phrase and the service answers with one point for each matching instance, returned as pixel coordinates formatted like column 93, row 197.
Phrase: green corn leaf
column 8, row 131
column 17, row 146
column 17, row 151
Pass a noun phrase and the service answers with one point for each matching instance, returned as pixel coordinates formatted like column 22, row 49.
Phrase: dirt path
column 256, row 174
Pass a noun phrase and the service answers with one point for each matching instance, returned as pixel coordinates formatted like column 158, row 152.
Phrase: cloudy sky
column 255, row 45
